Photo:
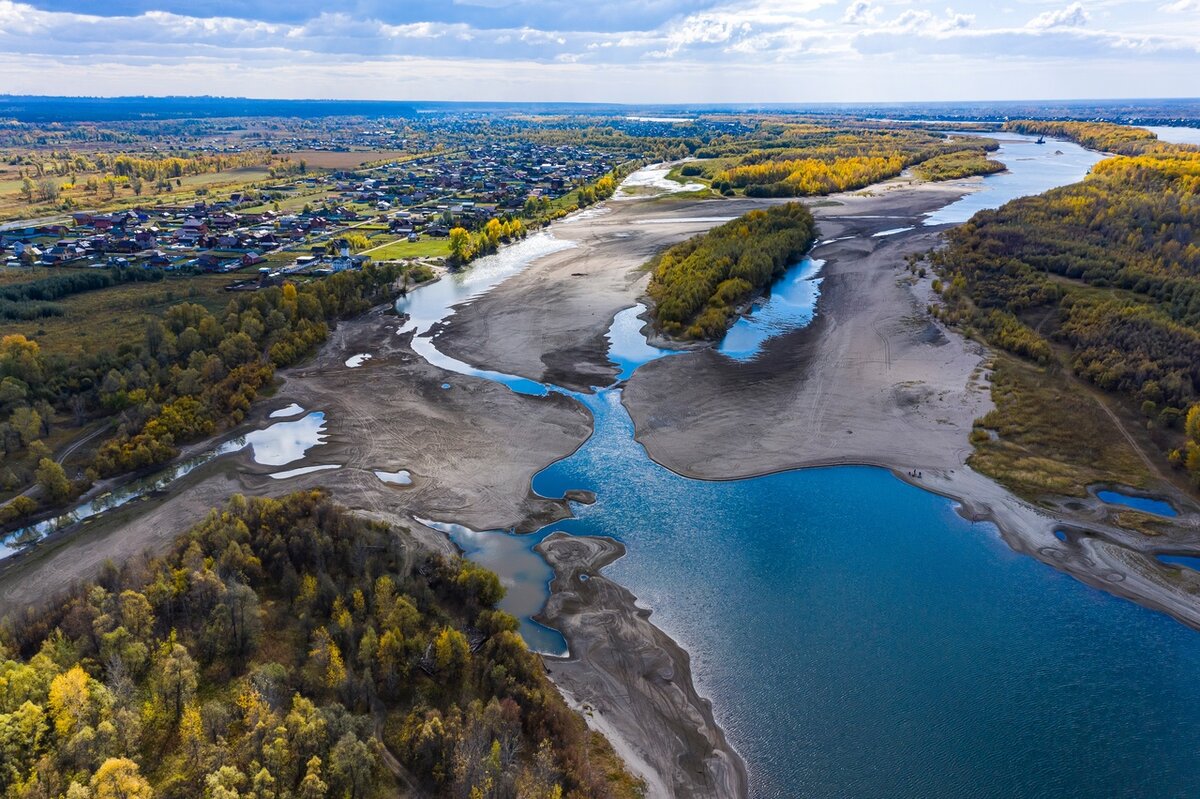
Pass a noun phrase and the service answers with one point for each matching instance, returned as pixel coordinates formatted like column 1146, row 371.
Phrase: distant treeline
column 34, row 300
column 697, row 285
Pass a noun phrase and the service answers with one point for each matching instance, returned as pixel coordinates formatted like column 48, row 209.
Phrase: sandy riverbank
column 631, row 680
column 872, row 380
column 548, row 323
column 472, row 450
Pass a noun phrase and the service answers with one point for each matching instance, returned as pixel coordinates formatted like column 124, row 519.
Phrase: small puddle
column 286, row 442
column 1158, row 507
column 304, row 470
column 400, row 478
column 1188, row 561
column 291, row 410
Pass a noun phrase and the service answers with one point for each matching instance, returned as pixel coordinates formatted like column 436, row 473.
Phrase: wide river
column 857, row 636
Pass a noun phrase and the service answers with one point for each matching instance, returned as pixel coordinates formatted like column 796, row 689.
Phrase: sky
column 635, row 51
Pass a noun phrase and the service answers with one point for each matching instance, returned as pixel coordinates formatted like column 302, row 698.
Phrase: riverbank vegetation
column 698, row 285
column 807, row 159
column 286, row 649
column 961, row 164
column 191, row 371
column 1101, row 279
column 1045, row 436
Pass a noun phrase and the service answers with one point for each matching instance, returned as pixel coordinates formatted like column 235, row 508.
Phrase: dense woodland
column 1108, row 269
column 961, row 164
column 698, row 285
column 804, row 160
column 285, row 649
column 193, row 373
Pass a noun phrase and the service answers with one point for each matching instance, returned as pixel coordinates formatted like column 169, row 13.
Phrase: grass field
column 1052, row 437
column 426, row 247
column 323, row 159
column 109, row 317
column 13, row 206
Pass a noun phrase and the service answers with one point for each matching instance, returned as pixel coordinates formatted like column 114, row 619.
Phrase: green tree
column 53, row 480
column 175, row 676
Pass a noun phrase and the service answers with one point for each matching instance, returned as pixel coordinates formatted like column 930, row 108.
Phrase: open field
column 109, row 317
column 426, row 247
column 14, row 206
column 328, row 159
column 1049, row 436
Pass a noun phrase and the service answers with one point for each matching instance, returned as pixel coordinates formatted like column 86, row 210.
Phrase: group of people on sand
column 914, row 473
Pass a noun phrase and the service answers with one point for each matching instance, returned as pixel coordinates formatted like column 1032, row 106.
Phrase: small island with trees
column 698, row 285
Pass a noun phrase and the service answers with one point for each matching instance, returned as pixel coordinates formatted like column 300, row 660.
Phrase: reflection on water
column 304, row 470
column 400, row 478
column 285, row 442
column 291, row 410
column 524, row 574
column 790, row 305
column 1156, row 506
column 1032, row 169
column 276, row 445
column 627, row 347
column 653, row 178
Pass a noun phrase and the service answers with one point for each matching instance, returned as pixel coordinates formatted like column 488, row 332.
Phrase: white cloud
column 860, row 12
column 883, row 43
column 1073, row 16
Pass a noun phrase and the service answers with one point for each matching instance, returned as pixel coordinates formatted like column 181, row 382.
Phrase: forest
column 192, row 373
column 286, row 649
column 961, row 164
column 698, row 285
column 805, row 160
column 1107, row 270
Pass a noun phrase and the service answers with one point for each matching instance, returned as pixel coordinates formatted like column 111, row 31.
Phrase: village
column 319, row 221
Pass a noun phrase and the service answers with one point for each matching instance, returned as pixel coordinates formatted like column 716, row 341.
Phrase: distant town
column 319, row 221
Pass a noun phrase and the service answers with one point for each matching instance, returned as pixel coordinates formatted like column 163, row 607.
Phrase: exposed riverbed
column 858, row 636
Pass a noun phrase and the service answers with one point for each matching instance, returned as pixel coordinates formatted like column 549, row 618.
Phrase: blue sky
column 641, row 51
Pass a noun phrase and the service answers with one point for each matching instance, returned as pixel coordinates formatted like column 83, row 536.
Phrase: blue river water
column 858, row 637
column 1032, row 169
column 1156, row 506
column 1176, row 135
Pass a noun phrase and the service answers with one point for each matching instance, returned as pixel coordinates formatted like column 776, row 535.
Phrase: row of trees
column 1109, row 267
column 697, row 285
column 274, row 653
column 466, row 246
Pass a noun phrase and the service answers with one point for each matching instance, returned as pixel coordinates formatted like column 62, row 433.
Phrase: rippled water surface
column 1032, row 169
column 861, row 639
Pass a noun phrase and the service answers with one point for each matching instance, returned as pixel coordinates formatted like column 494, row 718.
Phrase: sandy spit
column 630, row 679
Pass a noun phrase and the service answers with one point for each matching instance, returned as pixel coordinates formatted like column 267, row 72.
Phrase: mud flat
column 471, row 450
column 548, row 323
column 630, row 679
column 873, row 379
